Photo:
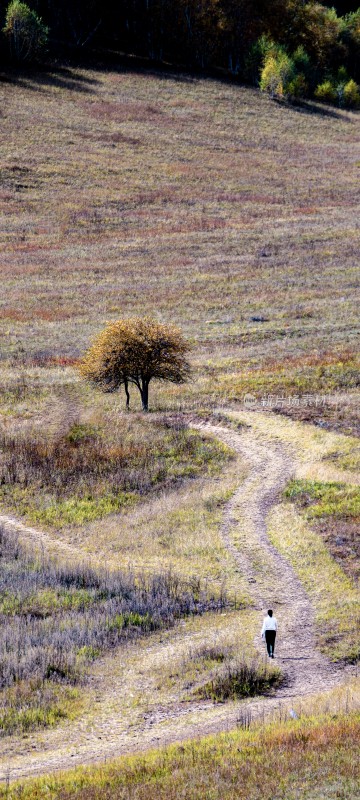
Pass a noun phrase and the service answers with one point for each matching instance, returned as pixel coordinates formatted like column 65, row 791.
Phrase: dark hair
column 270, row 612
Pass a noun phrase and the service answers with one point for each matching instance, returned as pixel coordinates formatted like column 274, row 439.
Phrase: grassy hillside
column 196, row 201
column 207, row 205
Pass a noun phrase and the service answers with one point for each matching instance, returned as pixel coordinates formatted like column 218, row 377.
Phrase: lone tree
column 136, row 350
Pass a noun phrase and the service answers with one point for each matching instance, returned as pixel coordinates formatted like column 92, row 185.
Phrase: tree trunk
column 126, row 385
column 144, row 391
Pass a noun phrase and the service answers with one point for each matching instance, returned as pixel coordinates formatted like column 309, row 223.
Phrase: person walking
column 268, row 632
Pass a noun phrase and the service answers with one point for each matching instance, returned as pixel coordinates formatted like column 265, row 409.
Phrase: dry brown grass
column 80, row 471
column 199, row 202
column 208, row 206
column 310, row 758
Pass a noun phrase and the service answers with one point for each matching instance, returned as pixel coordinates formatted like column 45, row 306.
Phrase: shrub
column 277, row 73
column 351, row 94
column 340, row 90
column 297, row 87
column 284, row 75
column 326, row 92
column 239, row 679
column 270, row 80
column 26, row 32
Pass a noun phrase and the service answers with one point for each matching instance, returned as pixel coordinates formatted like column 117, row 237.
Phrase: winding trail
column 271, row 466
column 271, row 580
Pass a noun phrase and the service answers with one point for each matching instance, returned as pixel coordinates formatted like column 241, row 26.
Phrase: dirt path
column 272, row 582
column 42, row 540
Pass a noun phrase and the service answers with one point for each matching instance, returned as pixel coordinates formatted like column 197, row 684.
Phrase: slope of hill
column 210, row 206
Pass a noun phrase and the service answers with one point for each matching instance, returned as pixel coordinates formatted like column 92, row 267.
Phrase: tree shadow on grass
column 72, row 75
column 41, row 79
column 101, row 59
column 309, row 107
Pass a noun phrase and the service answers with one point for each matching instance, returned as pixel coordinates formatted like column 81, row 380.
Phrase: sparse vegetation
column 334, row 510
column 36, row 703
column 311, row 758
column 349, row 460
column 183, row 244
column 223, row 668
column 330, row 412
column 205, row 204
column 85, row 471
column 54, row 620
column 236, row 677
column 325, row 499
column 334, row 595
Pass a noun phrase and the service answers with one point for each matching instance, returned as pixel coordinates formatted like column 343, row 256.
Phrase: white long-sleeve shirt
column 269, row 624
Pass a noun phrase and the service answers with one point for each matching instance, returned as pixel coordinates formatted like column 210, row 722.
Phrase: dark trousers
column 270, row 641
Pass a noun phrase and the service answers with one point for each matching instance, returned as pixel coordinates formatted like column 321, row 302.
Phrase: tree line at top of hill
column 296, row 48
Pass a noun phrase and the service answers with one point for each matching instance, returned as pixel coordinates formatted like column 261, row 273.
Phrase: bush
column 340, row 90
column 351, row 94
column 238, row 678
column 284, row 75
column 326, row 92
column 297, row 87
column 270, row 80
column 27, row 35
column 277, row 73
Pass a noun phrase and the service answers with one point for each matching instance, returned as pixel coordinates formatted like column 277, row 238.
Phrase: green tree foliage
column 284, row 75
column 351, row 94
column 26, row 33
column 339, row 90
column 350, row 37
column 136, row 351
column 277, row 72
column 325, row 92
column 225, row 35
column 290, row 76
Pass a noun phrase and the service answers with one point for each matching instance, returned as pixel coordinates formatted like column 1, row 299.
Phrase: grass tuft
column 238, row 678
